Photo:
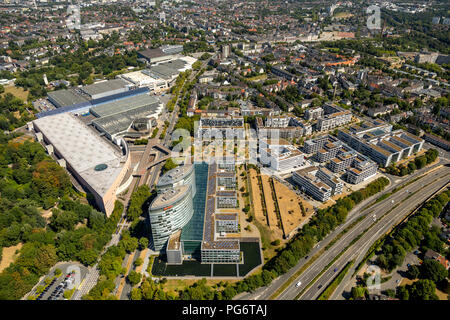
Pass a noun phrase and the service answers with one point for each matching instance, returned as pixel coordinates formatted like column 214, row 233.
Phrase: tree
column 413, row 272
column 358, row 292
column 138, row 262
column 433, row 270
column 402, row 293
column 423, row 290
column 143, row 243
column 136, row 294
column 134, row 277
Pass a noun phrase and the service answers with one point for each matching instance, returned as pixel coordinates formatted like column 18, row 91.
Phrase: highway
column 265, row 293
column 419, row 190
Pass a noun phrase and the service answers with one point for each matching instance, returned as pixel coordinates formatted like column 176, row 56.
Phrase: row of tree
column 414, row 232
column 418, row 163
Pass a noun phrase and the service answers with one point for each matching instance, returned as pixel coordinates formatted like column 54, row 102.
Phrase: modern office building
column 169, row 212
column 221, row 216
column 278, row 121
column 312, row 185
column 338, row 157
column 280, row 155
column 197, row 227
column 331, row 180
column 313, row 145
column 220, row 128
column 97, row 164
column 181, row 175
column 285, row 127
column 330, row 150
column 377, row 140
column 362, row 169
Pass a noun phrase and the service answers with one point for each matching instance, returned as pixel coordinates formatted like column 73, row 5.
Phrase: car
column 408, row 265
column 397, row 281
column 320, row 286
column 298, row 284
column 416, row 252
column 335, row 269
column 306, row 257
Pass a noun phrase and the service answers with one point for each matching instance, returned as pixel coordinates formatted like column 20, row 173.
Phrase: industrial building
column 115, row 118
column 73, row 96
column 70, row 101
column 97, row 164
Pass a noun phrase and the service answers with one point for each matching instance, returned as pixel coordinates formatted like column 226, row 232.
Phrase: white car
column 298, row 284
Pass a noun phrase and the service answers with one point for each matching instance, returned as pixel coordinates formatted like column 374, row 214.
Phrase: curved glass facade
column 169, row 212
column 182, row 175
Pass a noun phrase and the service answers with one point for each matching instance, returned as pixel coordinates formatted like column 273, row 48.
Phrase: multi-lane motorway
column 404, row 202
column 324, row 259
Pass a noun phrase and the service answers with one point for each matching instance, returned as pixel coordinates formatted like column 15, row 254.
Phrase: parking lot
column 55, row 285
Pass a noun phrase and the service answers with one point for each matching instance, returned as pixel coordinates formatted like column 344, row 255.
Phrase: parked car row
column 46, row 289
column 59, row 290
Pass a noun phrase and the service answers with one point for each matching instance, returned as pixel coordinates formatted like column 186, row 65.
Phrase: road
column 357, row 250
column 265, row 293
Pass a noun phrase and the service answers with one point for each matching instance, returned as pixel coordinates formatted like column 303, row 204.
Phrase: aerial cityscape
column 224, row 150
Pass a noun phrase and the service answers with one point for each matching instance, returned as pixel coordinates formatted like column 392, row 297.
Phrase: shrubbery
column 418, row 163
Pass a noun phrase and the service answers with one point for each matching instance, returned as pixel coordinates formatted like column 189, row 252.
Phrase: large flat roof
column 209, row 241
column 83, row 149
column 66, row 97
column 123, row 105
column 104, row 86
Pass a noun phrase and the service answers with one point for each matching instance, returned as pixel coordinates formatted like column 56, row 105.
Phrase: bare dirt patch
column 9, row 256
column 290, row 210
column 17, row 91
column 270, row 206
